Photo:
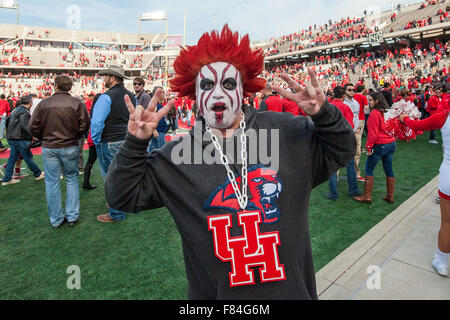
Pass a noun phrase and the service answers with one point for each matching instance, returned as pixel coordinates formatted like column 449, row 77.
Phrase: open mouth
column 219, row 107
column 269, row 203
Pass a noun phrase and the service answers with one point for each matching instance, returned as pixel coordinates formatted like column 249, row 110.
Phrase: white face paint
column 219, row 93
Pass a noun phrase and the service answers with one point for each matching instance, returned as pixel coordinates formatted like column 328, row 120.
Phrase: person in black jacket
column 19, row 138
column 244, row 220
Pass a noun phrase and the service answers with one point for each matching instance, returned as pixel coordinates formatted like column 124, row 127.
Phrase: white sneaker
column 440, row 268
column 13, row 181
column 433, row 141
column 437, row 199
column 42, row 176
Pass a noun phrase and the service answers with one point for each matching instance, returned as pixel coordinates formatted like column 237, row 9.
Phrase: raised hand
column 310, row 98
column 143, row 122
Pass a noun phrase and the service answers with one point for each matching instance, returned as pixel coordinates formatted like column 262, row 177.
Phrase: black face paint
column 229, row 84
column 206, row 84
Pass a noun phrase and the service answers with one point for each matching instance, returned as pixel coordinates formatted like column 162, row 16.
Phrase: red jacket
column 292, row 107
column 433, row 104
column 377, row 133
column 362, row 100
column 273, row 103
column 345, row 109
column 4, row 107
column 445, row 103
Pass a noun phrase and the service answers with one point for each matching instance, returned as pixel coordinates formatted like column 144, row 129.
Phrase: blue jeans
column 157, row 143
column 2, row 126
column 19, row 147
column 385, row 153
column 105, row 155
column 351, row 179
column 55, row 161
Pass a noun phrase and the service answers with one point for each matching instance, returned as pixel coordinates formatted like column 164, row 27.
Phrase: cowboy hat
column 113, row 70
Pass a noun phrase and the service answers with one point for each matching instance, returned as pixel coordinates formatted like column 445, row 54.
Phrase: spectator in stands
column 4, row 111
column 270, row 101
column 59, row 121
column 380, row 145
column 158, row 141
column 143, row 98
column 339, row 96
column 109, row 125
column 19, row 138
column 363, row 106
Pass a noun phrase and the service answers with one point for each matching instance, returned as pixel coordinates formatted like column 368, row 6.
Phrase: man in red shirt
column 4, row 110
column 270, row 101
column 363, row 106
column 292, row 107
column 338, row 102
column 433, row 104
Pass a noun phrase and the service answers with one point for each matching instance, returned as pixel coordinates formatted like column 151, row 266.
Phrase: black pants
column 366, row 130
column 173, row 123
column 432, row 132
column 432, row 135
column 92, row 156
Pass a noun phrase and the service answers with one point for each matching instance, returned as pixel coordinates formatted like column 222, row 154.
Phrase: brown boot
column 390, row 184
column 366, row 197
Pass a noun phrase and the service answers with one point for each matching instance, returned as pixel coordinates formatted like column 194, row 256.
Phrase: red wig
column 215, row 47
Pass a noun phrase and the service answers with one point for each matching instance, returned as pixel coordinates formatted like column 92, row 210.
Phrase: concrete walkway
column 393, row 260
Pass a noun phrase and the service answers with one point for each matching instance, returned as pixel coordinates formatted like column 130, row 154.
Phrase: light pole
column 155, row 16
column 10, row 4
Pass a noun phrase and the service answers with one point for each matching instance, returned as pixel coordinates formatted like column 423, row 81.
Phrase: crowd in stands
column 348, row 29
column 400, row 67
column 345, row 29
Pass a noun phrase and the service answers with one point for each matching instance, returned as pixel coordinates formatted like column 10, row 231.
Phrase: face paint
column 219, row 94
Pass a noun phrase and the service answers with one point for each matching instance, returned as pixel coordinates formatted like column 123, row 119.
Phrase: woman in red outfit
column 92, row 154
column 380, row 145
column 439, row 120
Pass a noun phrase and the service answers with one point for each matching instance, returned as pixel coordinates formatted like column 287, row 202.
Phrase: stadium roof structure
column 434, row 30
column 405, row 14
column 45, row 47
column 18, row 32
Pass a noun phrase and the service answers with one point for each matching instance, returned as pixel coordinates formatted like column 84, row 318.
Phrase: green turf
column 141, row 258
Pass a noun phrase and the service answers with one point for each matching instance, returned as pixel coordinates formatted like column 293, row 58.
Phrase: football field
column 141, row 258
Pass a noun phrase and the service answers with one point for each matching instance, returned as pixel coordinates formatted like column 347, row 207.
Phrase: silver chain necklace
column 240, row 195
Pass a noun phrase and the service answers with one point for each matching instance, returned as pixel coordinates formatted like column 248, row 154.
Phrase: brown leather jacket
column 59, row 121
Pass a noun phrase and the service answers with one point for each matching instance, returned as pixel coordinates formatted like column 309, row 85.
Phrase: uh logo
column 252, row 249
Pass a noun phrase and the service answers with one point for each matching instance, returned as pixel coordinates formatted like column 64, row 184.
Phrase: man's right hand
column 143, row 122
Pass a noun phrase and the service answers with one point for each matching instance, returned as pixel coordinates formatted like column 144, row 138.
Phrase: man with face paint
column 243, row 223
column 219, row 94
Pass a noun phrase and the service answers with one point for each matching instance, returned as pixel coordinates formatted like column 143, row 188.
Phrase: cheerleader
column 439, row 120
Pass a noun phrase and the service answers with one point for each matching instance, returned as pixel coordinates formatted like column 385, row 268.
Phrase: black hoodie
column 264, row 253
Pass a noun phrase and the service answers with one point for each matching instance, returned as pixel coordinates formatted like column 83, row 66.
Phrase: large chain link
column 242, row 196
